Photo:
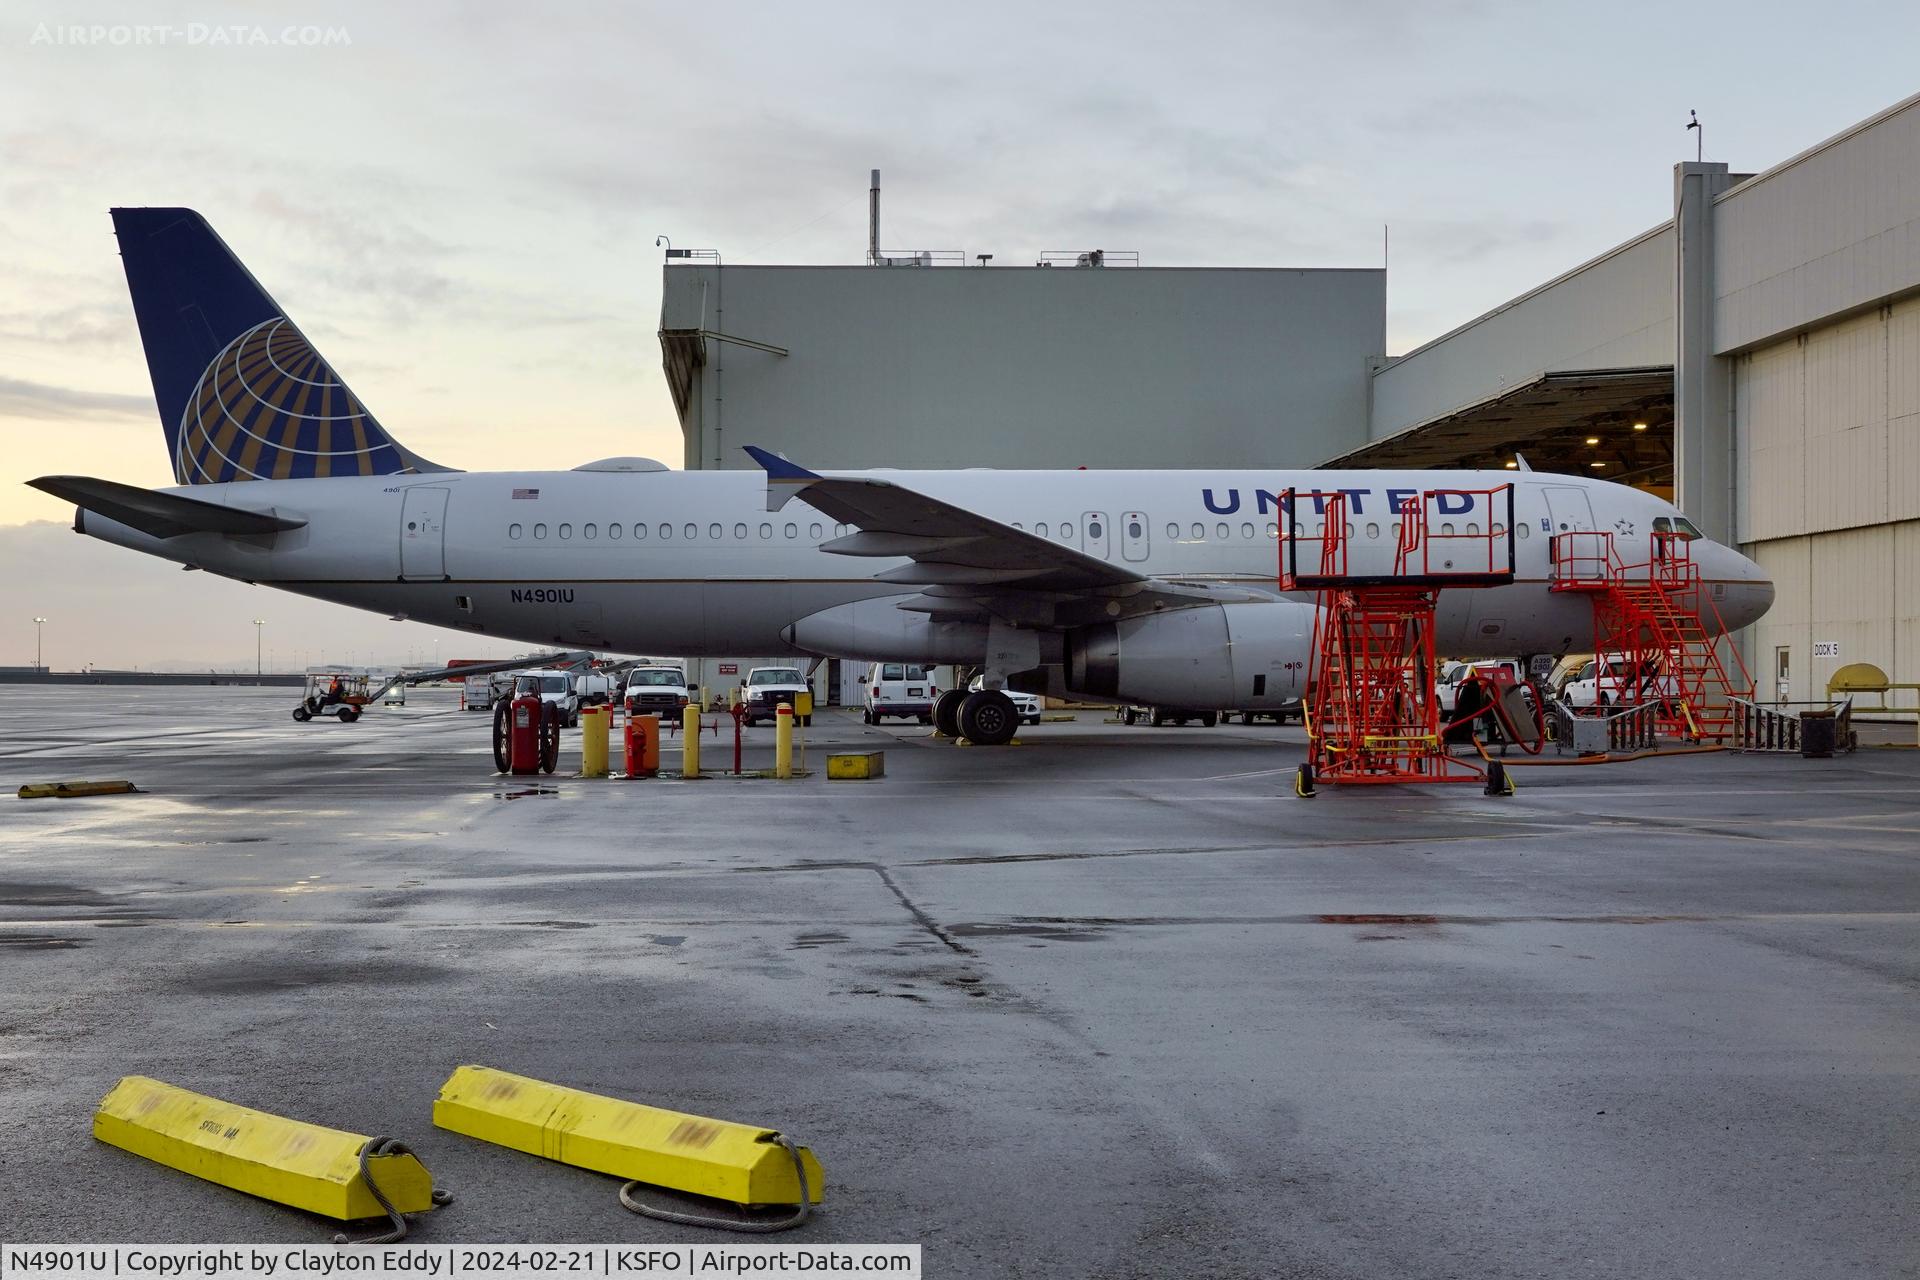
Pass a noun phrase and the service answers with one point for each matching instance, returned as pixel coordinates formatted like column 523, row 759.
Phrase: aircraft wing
column 962, row 561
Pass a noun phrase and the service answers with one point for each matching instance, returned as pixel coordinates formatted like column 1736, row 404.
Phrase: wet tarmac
column 1110, row 1003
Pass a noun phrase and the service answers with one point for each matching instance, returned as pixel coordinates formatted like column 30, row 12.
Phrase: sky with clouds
column 458, row 202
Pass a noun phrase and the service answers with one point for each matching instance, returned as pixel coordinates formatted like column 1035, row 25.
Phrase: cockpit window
column 1680, row 525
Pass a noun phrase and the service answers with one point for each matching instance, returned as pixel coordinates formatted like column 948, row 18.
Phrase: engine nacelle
column 877, row 631
column 1249, row 657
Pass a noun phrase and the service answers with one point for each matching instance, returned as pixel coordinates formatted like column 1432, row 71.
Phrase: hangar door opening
column 423, row 533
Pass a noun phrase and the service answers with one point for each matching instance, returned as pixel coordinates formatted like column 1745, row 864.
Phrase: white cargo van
column 903, row 689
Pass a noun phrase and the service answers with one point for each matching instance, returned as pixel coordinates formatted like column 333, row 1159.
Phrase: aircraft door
column 1568, row 509
column 423, row 533
column 1135, row 535
column 1098, row 538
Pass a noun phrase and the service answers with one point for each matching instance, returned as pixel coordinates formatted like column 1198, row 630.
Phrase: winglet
column 784, row 479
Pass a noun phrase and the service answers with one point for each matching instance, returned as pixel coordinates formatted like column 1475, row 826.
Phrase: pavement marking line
column 288, row 1161
column 741, row 1163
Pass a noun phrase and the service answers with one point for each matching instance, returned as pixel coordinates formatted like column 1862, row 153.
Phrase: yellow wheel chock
column 340, row 1175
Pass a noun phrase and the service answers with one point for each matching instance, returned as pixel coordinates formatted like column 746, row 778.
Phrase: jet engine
column 1249, row 657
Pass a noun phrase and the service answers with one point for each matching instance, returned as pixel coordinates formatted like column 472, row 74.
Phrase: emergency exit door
column 423, row 533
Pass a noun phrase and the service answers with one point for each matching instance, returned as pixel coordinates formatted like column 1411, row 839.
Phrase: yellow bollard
column 690, row 742
column 733, row 697
column 594, row 725
column 783, row 742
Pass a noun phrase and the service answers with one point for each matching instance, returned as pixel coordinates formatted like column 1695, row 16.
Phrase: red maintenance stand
column 1373, row 716
column 1656, row 631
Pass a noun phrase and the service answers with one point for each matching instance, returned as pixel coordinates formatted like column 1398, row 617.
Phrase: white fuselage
column 692, row 563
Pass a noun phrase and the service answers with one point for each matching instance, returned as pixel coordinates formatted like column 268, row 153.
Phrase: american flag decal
column 526, row 493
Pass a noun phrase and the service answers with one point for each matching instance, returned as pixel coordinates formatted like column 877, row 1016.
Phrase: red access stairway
column 1373, row 715
column 1655, row 623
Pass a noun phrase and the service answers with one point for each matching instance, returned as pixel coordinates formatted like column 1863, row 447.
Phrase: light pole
column 257, row 624
column 37, row 624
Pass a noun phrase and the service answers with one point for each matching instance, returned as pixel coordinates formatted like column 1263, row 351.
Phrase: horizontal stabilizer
column 163, row 515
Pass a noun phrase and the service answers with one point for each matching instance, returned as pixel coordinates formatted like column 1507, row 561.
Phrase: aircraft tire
column 1211, row 719
column 946, row 712
column 989, row 718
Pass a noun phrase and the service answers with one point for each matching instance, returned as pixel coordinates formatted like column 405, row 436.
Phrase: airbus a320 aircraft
column 1151, row 586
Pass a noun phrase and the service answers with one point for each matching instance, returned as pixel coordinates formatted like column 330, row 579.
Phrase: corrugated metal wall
column 1829, row 426
column 1829, row 430
column 1858, row 588
column 1824, row 233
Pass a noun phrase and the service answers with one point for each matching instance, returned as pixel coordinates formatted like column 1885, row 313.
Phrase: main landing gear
column 986, row 719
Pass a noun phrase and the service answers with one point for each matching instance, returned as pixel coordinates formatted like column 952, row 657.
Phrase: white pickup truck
column 769, row 687
column 1596, row 690
column 656, row 690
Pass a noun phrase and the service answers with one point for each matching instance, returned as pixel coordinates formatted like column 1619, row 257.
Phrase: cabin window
column 666, row 532
column 540, row 531
column 1221, row 531
column 614, row 531
column 691, row 531
column 1523, row 529
column 1273, row 530
column 1447, row 528
column 566, row 531
column 815, row 532
column 793, row 531
column 1041, row 531
column 1066, row 533
column 1173, row 532
column 740, row 532
column 1246, row 531
column 1135, row 529
column 1093, row 530
column 1373, row 531
column 766, row 531
column 841, row 530
column 1349, row 531
column 1019, row 526
column 1473, row 526
column 713, row 531
column 1199, row 533
column 639, row 532
column 591, row 532
column 513, row 531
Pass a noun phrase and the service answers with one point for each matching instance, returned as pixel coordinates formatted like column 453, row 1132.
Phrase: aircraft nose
column 1749, row 591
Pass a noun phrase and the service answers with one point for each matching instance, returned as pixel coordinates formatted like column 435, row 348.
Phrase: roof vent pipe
column 873, row 221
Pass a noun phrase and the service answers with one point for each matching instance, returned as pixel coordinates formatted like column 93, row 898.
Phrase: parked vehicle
column 555, row 688
column 340, row 693
column 656, row 690
column 1446, row 691
column 903, row 689
column 1027, row 705
column 768, row 688
column 1168, row 715
column 1620, row 685
column 1278, row 715
column 593, row 688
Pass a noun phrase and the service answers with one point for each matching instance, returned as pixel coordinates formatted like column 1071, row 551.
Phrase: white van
column 903, row 689
column 555, row 688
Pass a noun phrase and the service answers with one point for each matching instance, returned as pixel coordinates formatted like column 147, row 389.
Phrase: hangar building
column 1757, row 355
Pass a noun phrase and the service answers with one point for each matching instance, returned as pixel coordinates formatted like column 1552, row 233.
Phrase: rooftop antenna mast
column 873, row 221
column 1693, row 122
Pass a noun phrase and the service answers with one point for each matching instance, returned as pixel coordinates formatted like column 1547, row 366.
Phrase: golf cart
column 339, row 692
